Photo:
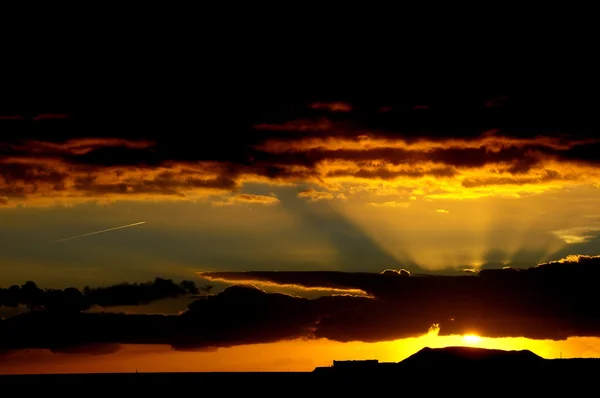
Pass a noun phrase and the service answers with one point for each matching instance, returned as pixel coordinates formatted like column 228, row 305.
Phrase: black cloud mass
column 553, row 300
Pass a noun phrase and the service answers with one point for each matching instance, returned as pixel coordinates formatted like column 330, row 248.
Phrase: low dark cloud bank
column 237, row 315
column 554, row 300
column 72, row 299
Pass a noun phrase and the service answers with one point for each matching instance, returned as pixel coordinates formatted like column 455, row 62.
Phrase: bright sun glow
column 471, row 338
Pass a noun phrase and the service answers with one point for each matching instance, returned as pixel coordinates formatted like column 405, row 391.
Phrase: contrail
column 99, row 232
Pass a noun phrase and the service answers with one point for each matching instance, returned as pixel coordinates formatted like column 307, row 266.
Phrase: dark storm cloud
column 554, row 300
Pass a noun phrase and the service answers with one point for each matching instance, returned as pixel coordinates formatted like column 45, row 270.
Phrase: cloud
column 40, row 181
column 577, row 234
column 72, row 299
column 331, row 106
column 343, row 137
column 550, row 301
column 443, row 152
column 403, row 205
column 50, row 116
column 298, row 125
column 237, row 315
column 80, row 146
column 247, row 198
column 400, row 272
column 313, row 195
column 553, row 300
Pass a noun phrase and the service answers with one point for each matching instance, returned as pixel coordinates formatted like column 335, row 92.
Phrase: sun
column 471, row 338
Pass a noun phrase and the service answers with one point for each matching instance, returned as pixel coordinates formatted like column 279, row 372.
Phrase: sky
column 279, row 219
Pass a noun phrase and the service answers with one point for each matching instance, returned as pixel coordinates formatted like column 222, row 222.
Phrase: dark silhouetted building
column 356, row 364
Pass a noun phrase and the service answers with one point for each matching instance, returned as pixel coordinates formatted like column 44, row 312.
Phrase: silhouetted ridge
column 448, row 361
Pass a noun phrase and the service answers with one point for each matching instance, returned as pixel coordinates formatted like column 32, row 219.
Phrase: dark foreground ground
column 301, row 384
column 466, row 371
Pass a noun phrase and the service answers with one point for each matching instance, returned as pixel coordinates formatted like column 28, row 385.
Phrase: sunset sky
column 231, row 177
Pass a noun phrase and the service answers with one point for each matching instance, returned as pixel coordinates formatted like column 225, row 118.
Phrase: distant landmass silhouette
column 470, row 355
column 486, row 372
column 447, row 359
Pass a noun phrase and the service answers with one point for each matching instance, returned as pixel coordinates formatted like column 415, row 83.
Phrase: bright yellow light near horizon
column 471, row 339
column 575, row 347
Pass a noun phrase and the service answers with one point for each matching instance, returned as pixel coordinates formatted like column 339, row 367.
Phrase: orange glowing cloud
column 51, row 181
column 265, row 284
column 247, row 199
column 313, row 195
column 336, row 158
column 490, row 141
